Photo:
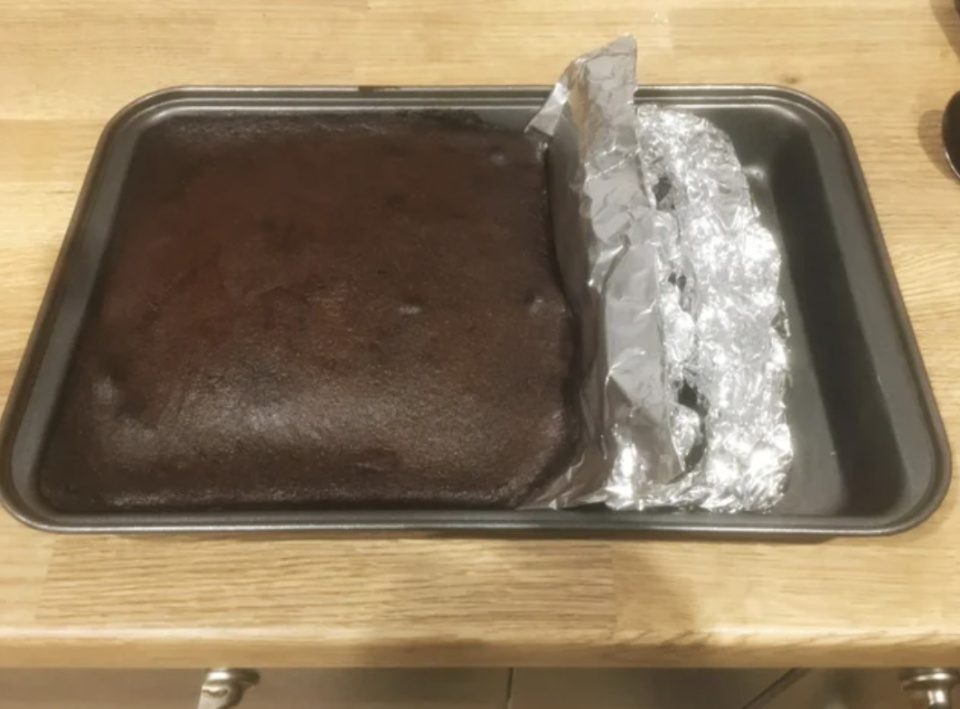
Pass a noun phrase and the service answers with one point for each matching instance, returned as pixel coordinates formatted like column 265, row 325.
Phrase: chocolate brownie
column 353, row 311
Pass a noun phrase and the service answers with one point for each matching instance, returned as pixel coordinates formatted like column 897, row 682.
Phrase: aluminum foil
column 674, row 281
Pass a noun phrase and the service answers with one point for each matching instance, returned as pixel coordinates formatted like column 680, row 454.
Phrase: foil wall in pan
column 675, row 284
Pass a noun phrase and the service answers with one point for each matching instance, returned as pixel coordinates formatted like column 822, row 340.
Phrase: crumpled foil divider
column 674, row 282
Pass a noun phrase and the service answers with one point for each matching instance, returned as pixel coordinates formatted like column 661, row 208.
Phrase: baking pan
column 871, row 455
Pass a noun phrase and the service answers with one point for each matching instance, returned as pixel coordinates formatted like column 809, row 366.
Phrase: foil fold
column 674, row 282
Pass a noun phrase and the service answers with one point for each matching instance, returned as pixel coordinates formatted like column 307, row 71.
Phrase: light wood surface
column 887, row 67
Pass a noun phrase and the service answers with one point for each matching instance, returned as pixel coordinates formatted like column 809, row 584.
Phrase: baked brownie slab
column 354, row 311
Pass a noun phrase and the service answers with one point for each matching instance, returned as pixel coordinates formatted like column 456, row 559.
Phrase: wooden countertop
column 887, row 67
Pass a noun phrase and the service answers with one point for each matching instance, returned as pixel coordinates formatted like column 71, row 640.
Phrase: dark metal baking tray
column 871, row 455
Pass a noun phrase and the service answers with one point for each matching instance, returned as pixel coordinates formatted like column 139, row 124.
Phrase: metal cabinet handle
column 929, row 687
column 224, row 688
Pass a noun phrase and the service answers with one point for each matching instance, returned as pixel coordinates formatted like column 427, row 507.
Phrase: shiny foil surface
column 674, row 281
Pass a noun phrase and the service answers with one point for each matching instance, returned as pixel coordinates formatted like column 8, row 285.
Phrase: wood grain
column 886, row 66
